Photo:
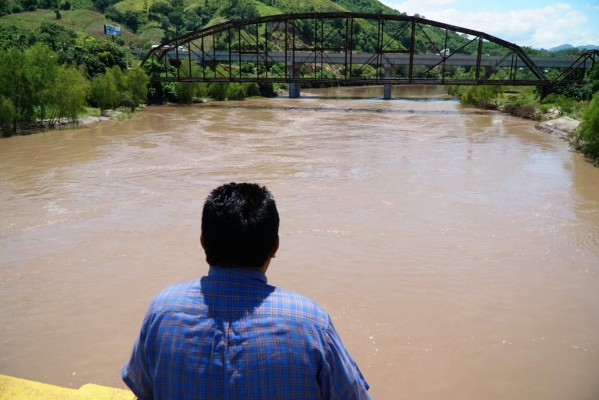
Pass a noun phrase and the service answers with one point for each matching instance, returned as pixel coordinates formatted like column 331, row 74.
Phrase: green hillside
column 147, row 22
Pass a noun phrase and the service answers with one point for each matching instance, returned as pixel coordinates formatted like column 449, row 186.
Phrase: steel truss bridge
column 356, row 49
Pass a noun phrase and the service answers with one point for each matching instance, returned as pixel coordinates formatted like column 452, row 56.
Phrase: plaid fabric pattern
column 230, row 335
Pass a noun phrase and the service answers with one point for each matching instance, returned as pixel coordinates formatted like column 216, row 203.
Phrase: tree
column 7, row 117
column 104, row 92
column 49, row 4
column 218, row 90
column 70, row 93
column 188, row 92
column 42, row 70
column 16, row 85
column 483, row 96
column 95, row 55
column 137, row 82
column 236, row 91
column 55, row 36
column 586, row 137
column 29, row 5
column 158, row 9
column 133, row 20
column 101, row 5
column 4, row 7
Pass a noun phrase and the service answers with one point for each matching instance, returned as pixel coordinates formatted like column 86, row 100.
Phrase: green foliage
column 218, row 90
column 35, row 87
column 562, row 104
column 104, row 92
column 586, row 137
column 252, row 89
column 241, row 9
column 236, row 91
column 185, row 92
column 117, row 88
column 69, row 94
column 137, row 84
column 4, row 7
column 134, row 20
column 524, row 105
column 483, row 96
column 42, row 70
column 366, row 6
column 16, row 85
column 584, row 91
column 96, row 56
column 8, row 115
column 189, row 92
column 101, row 5
column 13, row 36
column 55, row 36
column 267, row 90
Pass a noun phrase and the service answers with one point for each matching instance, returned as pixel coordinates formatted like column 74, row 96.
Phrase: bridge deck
column 301, row 57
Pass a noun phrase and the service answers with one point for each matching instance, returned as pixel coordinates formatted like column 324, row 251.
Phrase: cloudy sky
column 535, row 23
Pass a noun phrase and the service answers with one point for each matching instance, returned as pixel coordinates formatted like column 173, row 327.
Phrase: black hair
column 240, row 225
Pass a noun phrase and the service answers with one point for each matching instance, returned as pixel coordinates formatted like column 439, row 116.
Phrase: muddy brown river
column 457, row 250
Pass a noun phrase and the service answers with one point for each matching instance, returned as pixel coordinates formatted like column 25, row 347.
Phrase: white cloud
column 440, row 2
column 545, row 27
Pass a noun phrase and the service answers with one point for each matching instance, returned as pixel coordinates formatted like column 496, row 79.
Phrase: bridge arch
column 355, row 48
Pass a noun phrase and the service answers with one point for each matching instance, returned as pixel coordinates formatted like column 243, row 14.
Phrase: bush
column 236, row 92
column 565, row 105
column 252, row 89
column 218, row 90
column 481, row 96
column 104, row 92
column 267, row 90
column 525, row 105
column 8, row 115
column 586, row 137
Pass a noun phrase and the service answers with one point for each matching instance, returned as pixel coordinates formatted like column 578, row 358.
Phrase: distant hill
column 566, row 47
column 147, row 22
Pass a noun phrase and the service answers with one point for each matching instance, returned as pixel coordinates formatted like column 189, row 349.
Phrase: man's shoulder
column 178, row 296
column 298, row 306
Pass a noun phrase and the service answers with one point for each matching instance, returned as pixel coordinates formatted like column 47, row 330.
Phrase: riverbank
column 64, row 123
column 560, row 127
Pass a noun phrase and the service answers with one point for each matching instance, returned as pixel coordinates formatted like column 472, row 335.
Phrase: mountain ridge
column 565, row 47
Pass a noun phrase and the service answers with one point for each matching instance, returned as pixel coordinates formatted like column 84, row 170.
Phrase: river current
column 457, row 250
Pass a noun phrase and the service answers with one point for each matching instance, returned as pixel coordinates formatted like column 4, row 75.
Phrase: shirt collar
column 236, row 273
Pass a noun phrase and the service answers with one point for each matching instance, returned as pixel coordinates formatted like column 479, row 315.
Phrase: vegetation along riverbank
column 571, row 112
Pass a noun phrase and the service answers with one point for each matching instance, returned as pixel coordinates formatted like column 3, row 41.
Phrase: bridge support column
column 294, row 87
column 387, row 88
column 544, row 92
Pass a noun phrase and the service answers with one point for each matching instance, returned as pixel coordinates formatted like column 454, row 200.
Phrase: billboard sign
column 112, row 30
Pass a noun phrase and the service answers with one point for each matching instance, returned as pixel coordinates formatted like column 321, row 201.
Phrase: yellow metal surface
column 21, row 389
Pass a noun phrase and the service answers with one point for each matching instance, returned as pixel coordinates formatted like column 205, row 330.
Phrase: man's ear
column 202, row 241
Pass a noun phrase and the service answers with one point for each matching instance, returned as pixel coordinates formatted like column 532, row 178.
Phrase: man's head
column 240, row 226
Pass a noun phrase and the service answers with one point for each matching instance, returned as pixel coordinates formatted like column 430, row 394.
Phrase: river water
column 457, row 250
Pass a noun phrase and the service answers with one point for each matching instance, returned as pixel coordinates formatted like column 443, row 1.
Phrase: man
column 230, row 335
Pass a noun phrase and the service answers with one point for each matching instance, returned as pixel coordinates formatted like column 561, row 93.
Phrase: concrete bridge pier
column 294, row 87
column 388, row 75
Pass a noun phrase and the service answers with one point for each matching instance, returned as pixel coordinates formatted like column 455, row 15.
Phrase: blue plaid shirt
column 230, row 335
